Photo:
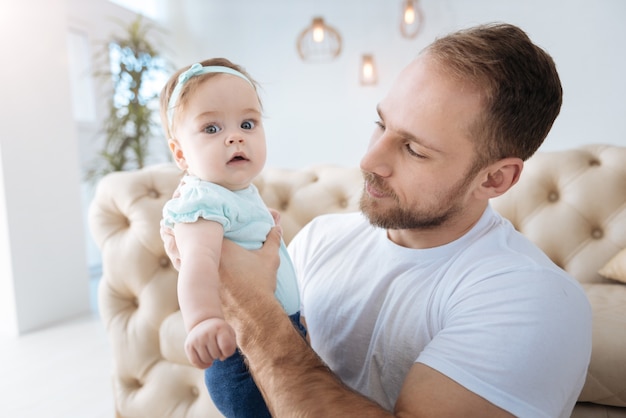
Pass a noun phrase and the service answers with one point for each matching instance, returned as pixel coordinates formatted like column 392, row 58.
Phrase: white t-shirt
column 489, row 310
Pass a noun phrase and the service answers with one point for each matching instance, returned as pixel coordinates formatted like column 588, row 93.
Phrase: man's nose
column 378, row 158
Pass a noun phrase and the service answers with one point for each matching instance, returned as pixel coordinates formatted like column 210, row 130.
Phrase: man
column 428, row 303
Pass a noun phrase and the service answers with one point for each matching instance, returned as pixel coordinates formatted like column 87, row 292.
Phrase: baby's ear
column 178, row 154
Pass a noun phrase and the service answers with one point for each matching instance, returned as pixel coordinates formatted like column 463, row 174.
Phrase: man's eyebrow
column 409, row 136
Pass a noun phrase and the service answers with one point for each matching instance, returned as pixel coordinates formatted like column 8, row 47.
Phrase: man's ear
column 177, row 153
column 501, row 176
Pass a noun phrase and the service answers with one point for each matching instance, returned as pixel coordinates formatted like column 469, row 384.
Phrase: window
column 149, row 8
column 152, row 80
column 81, row 80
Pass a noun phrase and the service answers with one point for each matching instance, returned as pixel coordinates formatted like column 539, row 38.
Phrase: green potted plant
column 134, row 65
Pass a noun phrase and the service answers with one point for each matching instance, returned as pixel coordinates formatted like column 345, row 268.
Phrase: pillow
column 616, row 267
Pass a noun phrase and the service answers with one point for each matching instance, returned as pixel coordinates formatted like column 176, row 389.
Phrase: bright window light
column 81, row 83
column 148, row 8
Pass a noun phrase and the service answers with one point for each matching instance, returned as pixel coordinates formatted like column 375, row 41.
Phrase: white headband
column 193, row 71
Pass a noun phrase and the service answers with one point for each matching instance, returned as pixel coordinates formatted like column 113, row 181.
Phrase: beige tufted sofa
column 571, row 203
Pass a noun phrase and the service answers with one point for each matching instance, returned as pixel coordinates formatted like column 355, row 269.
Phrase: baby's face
column 219, row 137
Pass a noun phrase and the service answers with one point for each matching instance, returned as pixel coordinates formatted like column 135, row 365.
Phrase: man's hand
column 245, row 274
column 169, row 239
column 275, row 215
column 169, row 243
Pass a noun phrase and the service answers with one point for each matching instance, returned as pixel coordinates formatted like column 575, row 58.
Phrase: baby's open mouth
column 238, row 157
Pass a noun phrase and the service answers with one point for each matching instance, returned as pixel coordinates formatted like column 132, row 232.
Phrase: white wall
column 44, row 274
column 316, row 113
column 319, row 113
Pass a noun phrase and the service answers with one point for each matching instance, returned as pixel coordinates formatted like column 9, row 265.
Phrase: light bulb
column 318, row 42
column 318, row 31
column 412, row 19
column 368, row 70
column 409, row 14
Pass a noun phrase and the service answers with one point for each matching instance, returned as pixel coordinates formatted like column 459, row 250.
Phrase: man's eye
column 212, row 129
column 248, row 124
column 380, row 125
column 413, row 153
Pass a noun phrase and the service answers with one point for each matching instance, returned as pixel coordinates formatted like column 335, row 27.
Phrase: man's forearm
column 293, row 379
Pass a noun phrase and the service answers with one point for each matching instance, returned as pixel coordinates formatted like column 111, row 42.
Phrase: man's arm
column 292, row 378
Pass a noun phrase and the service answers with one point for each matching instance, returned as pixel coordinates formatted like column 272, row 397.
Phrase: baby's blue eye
column 212, row 129
column 248, row 124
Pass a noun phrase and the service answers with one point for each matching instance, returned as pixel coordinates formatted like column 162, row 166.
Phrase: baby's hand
column 209, row 340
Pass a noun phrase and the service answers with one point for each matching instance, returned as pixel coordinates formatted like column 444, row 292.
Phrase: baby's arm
column 209, row 336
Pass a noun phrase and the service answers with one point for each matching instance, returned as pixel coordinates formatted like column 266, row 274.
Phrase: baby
column 211, row 114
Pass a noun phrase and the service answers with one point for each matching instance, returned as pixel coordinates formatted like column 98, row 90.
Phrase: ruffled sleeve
column 198, row 199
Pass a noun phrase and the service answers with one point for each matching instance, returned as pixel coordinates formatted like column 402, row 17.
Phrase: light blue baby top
column 246, row 221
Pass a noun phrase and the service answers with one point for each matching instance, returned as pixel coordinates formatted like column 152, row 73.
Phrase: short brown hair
column 522, row 92
column 167, row 90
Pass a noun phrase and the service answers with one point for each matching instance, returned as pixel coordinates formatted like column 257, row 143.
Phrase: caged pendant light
column 412, row 18
column 319, row 42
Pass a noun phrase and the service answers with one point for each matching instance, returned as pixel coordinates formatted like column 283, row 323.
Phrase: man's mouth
column 373, row 191
column 374, row 187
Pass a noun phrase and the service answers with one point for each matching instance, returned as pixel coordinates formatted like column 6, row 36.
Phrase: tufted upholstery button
column 153, row 193
column 164, row 262
column 553, row 196
column 594, row 162
column 597, row 233
column 195, row 392
column 133, row 383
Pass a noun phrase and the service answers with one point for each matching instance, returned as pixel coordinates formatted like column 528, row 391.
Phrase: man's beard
column 398, row 217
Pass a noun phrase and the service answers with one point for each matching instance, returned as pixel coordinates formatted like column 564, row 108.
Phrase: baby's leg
column 232, row 388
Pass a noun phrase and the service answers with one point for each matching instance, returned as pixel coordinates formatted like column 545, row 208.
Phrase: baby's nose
column 232, row 139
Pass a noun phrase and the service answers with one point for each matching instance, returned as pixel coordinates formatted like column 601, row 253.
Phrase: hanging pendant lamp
column 319, row 42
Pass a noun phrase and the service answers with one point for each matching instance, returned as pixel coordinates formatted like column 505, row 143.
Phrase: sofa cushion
column 616, row 267
column 605, row 382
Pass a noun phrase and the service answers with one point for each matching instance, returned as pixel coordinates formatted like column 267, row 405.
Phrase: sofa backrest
column 302, row 194
column 572, row 204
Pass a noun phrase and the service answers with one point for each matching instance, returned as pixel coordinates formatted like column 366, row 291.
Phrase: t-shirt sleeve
column 518, row 354
column 296, row 249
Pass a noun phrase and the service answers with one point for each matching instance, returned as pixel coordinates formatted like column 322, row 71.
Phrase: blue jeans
column 232, row 389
